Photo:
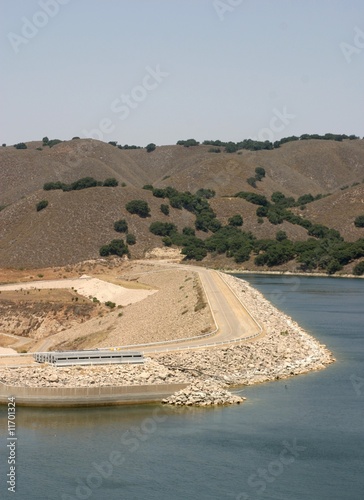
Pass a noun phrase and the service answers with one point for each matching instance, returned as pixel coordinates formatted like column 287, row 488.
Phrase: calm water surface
column 296, row 439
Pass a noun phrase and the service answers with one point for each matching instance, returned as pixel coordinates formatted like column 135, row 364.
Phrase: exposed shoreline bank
column 285, row 350
column 289, row 273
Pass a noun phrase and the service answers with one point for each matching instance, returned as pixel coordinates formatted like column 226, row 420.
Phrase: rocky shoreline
column 284, row 350
column 203, row 393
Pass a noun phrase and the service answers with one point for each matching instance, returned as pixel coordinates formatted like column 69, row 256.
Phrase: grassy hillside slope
column 75, row 224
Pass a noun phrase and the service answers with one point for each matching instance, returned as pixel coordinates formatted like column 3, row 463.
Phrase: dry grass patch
column 85, row 342
column 43, row 295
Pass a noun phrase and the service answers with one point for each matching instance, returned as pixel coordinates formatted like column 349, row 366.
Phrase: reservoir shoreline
column 284, row 350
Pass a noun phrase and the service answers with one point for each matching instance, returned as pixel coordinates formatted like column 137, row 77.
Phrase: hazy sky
column 140, row 71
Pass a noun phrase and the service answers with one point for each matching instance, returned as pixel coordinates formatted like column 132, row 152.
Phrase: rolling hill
column 76, row 223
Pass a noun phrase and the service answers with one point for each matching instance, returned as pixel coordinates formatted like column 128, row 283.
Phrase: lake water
column 297, row 439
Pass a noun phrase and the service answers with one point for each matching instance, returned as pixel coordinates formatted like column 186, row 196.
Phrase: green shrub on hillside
column 165, row 209
column 188, row 231
column 259, row 173
column 167, row 241
column 126, row 146
column 252, row 182
column 20, row 145
column 276, row 253
column 110, row 304
column 84, row 183
column 359, row 269
column 53, row 142
column 42, row 205
column 305, row 198
column 159, row 193
column 188, row 143
column 115, row 247
column 359, row 221
column 130, row 239
column 195, row 253
column 139, row 207
column 110, row 182
column 205, row 193
column 282, row 201
column 235, row 220
column 121, row 226
column 162, row 228
column 150, row 147
column 256, row 199
column 53, row 185
column 281, row 235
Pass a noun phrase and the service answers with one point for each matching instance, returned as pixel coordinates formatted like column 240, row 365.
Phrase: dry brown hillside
column 75, row 224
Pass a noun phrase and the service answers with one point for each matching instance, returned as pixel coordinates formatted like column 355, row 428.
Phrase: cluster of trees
column 138, row 207
column 255, row 198
column 50, row 143
column 326, row 254
column 325, row 250
column 195, row 203
column 84, row 183
column 188, row 143
column 121, row 226
column 184, row 199
column 115, row 247
column 259, row 175
column 277, row 211
column 150, row 147
column 192, row 247
column 20, row 145
column 233, row 147
column 126, row 146
column 162, row 228
column 252, row 145
column 279, row 201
